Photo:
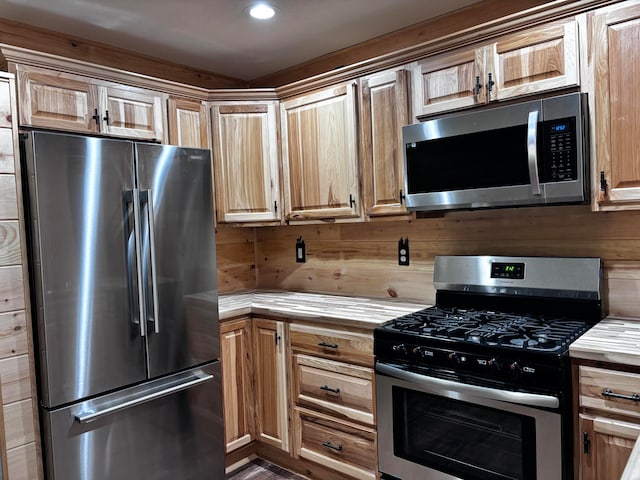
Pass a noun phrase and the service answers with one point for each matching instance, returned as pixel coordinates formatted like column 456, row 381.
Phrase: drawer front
column 350, row 347
column 333, row 387
column 343, row 448
column 610, row 390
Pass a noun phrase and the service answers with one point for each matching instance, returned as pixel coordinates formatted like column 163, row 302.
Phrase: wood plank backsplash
column 235, row 253
column 361, row 258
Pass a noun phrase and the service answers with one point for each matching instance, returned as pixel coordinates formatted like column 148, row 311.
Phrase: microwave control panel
column 560, row 155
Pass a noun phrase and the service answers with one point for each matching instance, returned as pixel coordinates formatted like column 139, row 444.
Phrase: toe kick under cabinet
column 333, row 385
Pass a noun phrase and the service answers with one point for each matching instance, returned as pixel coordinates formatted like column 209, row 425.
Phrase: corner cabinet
column 384, row 110
column 320, row 155
column 532, row 61
column 609, row 421
column 613, row 69
column 187, row 123
column 238, row 396
column 270, row 377
column 246, row 161
column 63, row 101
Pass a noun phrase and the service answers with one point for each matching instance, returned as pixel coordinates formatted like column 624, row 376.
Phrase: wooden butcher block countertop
column 347, row 311
column 612, row 340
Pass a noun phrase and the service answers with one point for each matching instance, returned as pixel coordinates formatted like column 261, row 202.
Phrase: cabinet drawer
column 344, row 448
column 350, row 347
column 336, row 388
column 610, row 390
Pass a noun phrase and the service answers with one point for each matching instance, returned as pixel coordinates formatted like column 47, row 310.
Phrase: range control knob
column 495, row 364
column 515, row 369
column 401, row 349
column 456, row 358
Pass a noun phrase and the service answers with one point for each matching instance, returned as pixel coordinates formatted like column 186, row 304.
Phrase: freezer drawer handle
column 88, row 417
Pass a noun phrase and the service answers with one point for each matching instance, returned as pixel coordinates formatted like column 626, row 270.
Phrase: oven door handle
column 530, row 399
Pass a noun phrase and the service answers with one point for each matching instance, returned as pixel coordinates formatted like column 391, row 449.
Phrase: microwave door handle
column 532, row 151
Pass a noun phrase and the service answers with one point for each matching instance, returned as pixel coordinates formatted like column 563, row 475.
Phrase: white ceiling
column 219, row 36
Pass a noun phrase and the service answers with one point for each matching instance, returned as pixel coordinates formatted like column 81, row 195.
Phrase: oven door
column 443, row 430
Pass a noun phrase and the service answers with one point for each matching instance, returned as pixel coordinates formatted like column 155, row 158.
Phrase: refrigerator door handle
column 191, row 381
column 137, row 235
column 147, row 197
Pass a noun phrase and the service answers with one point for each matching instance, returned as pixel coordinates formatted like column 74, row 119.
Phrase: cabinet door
column 529, row 62
column 609, row 445
column 245, row 139
column 616, row 69
column 131, row 112
column 187, row 123
column 237, row 383
column 320, row 154
column 272, row 420
column 449, row 81
column 384, row 109
column 56, row 100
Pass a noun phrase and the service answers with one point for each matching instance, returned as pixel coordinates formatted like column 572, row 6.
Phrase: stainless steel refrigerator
column 122, row 257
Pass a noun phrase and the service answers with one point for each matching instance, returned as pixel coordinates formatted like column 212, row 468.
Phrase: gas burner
column 491, row 328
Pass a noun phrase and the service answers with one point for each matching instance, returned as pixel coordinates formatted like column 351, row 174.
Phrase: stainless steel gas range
column 478, row 387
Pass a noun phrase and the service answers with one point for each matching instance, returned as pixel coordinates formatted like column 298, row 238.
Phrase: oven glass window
column 463, row 439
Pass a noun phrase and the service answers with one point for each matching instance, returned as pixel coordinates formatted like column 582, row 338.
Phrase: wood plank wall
column 19, row 404
column 361, row 259
column 235, row 251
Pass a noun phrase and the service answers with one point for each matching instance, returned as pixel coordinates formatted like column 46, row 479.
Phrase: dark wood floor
column 258, row 469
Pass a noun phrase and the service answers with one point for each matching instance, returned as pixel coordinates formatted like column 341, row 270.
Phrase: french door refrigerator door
column 83, row 263
column 178, row 257
column 169, row 428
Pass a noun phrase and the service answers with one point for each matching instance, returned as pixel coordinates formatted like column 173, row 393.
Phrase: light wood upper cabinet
column 320, row 154
column 237, row 383
column 384, row 110
column 613, row 68
column 131, row 112
column 61, row 101
column 246, row 161
column 270, row 377
column 187, row 123
column 57, row 100
column 536, row 60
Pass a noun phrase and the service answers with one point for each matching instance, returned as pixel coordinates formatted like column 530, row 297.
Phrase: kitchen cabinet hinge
column 276, row 337
column 490, row 84
column 106, row 117
column 352, row 200
column 401, row 198
column 275, row 207
column 478, row 86
column 96, row 116
column 586, row 443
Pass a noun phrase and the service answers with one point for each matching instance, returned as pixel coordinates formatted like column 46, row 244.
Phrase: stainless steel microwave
column 529, row 153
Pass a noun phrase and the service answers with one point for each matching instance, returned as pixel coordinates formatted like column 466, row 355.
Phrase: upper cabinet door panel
column 449, row 81
column 541, row 59
column 616, row 109
column 132, row 113
column 384, row 109
column 56, row 100
column 245, row 136
column 187, row 123
column 320, row 158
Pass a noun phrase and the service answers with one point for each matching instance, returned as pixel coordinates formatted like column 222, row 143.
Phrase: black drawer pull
column 608, row 393
column 327, row 388
column 330, row 445
column 328, row 345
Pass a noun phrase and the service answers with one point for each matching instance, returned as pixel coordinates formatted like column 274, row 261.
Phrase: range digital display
column 507, row 270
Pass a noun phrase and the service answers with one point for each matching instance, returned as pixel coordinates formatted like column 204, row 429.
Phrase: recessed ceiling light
column 262, row 11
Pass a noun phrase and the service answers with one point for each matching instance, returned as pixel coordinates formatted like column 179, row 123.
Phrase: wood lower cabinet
column 384, row 110
column 334, row 420
column 246, row 161
column 609, row 421
column 270, row 379
column 62, row 101
column 320, row 155
column 187, row 123
column 236, row 353
column 612, row 70
column 535, row 60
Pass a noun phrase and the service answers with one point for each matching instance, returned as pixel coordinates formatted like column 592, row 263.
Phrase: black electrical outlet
column 301, row 255
column 403, row 251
